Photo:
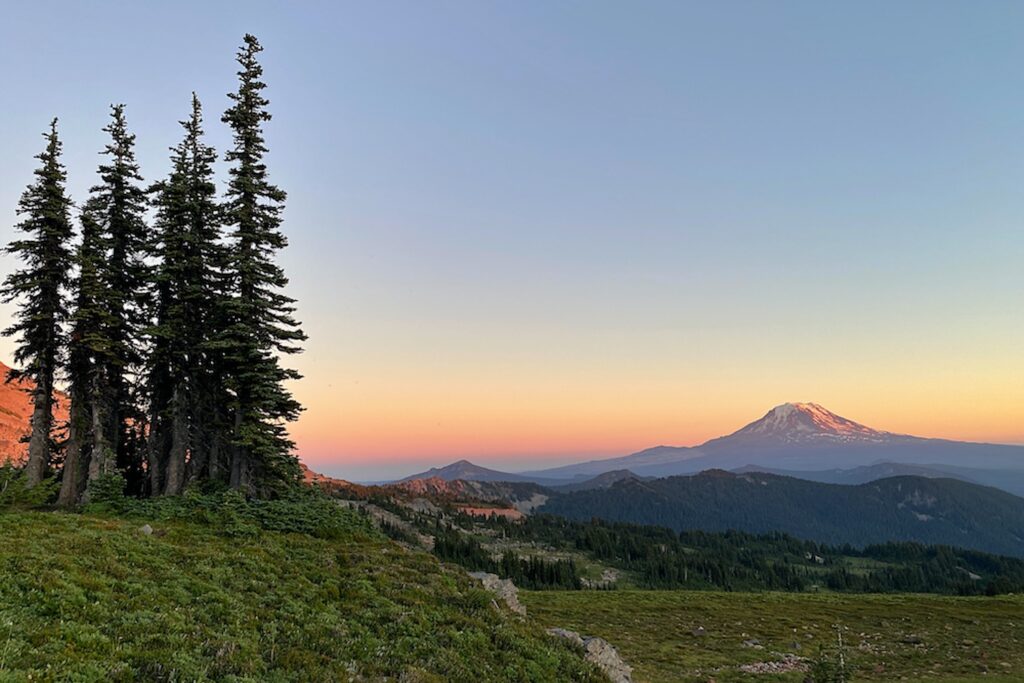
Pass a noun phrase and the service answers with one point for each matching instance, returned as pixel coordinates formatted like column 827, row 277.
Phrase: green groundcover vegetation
column 676, row 636
column 230, row 589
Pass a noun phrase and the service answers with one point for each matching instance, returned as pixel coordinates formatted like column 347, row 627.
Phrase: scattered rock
column 911, row 639
column 503, row 588
column 699, row 631
column 753, row 643
column 599, row 652
column 784, row 665
column 146, row 530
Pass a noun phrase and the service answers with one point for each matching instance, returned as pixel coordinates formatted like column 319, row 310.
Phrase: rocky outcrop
column 504, row 589
column 15, row 411
column 599, row 652
column 326, row 483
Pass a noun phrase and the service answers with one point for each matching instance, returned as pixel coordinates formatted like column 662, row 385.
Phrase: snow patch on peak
column 792, row 422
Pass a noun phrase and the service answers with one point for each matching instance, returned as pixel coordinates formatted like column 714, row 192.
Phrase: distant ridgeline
column 925, row 510
column 163, row 308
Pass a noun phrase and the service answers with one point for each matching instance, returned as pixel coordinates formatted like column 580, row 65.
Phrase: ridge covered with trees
column 166, row 318
column 907, row 508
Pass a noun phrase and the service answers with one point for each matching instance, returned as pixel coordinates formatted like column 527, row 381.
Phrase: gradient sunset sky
column 533, row 232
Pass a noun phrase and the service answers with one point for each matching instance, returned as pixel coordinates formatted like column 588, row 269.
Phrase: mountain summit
column 800, row 436
column 801, row 422
column 464, row 470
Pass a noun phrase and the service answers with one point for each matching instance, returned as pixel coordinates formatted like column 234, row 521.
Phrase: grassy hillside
column 889, row 637
column 91, row 598
column 934, row 511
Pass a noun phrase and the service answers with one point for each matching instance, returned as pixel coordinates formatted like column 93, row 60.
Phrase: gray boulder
column 503, row 588
column 599, row 652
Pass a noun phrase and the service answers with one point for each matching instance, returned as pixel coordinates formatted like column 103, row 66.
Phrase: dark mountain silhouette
column 1007, row 480
column 464, row 470
column 601, row 481
column 935, row 511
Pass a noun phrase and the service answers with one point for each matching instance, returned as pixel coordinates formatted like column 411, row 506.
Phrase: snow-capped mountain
column 800, row 436
column 803, row 422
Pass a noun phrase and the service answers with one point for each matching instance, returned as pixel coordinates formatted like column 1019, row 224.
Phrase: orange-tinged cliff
column 15, row 412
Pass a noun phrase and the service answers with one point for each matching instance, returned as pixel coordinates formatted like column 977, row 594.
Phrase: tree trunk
column 175, row 477
column 103, row 456
column 239, row 459
column 201, row 447
column 42, row 425
column 154, row 456
column 73, row 478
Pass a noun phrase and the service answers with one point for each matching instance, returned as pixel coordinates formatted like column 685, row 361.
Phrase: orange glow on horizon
column 438, row 432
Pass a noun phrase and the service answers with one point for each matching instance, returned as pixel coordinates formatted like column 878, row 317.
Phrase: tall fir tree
column 188, row 233
column 259, row 316
column 117, row 205
column 40, row 285
column 88, row 349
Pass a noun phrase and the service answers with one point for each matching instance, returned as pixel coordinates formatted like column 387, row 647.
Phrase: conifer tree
column 117, row 205
column 187, row 290
column 40, row 284
column 261, row 326
column 87, row 348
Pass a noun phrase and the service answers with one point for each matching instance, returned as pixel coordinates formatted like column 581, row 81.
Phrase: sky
column 527, row 233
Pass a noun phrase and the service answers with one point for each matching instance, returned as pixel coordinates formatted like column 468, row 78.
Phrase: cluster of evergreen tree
column 660, row 558
column 532, row 572
column 166, row 319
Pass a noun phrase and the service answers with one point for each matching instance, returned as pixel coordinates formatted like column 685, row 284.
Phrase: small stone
column 146, row 530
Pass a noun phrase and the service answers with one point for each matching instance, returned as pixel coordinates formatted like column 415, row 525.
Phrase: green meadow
column 702, row 636
column 88, row 598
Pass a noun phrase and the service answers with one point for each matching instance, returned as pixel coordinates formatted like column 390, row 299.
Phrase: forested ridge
column 545, row 551
column 930, row 511
column 161, row 308
column 657, row 557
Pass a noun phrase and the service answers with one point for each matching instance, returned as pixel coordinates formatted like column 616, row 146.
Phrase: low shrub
column 14, row 494
column 304, row 511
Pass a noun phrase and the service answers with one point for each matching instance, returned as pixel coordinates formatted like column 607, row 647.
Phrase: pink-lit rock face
column 322, row 480
column 15, row 412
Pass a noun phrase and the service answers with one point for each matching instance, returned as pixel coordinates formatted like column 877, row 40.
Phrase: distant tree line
column 531, row 572
column 660, row 558
column 165, row 318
